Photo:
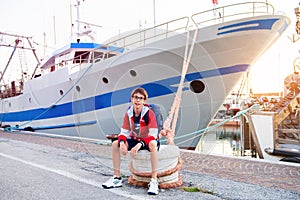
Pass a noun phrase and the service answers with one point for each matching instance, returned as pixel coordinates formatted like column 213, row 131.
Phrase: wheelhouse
column 76, row 56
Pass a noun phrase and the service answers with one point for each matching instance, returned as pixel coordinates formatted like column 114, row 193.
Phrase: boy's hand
column 135, row 149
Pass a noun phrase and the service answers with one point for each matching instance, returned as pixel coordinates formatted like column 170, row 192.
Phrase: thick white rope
column 173, row 114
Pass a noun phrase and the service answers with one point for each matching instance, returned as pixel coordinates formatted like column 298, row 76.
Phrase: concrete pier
column 39, row 167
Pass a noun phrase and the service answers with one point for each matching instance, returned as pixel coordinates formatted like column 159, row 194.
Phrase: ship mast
column 78, row 23
column 16, row 46
column 87, row 30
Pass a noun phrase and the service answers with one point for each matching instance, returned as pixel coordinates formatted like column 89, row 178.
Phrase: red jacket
column 147, row 132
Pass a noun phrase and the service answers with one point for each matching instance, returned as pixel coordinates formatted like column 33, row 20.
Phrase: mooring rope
column 167, row 131
column 209, row 128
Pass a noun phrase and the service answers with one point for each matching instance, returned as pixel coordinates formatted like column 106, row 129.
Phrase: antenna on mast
column 78, row 17
column 86, row 31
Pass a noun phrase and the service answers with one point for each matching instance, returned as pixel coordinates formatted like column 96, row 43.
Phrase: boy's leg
column 116, row 180
column 153, row 185
column 130, row 143
column 116, row 158
column 153, row 158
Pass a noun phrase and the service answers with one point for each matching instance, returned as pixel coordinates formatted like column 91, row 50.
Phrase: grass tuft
column 197, row 189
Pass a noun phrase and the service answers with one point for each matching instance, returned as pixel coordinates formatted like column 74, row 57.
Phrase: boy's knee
column 152, row 145
column 115, row 144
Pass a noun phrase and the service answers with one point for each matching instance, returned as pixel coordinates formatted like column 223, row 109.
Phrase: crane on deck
column 17, row 39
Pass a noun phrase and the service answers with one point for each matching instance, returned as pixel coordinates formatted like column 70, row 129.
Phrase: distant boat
column 84, row 88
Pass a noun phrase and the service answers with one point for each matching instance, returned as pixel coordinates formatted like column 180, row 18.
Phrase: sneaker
column 113, row 182
column 153, row 187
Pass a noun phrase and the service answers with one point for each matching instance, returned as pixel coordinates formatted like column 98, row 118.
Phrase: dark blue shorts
column 133, row 142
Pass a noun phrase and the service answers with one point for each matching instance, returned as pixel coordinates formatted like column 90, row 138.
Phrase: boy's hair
column 141, row 91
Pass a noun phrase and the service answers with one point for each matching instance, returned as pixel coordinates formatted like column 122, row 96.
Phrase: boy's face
column 138, row 100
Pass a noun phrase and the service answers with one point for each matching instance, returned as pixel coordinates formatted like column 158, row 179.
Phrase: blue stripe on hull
column 36, row 128
column 262, row 24
column 158, row 88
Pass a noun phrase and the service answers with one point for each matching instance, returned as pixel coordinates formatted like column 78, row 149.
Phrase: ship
column 83, row 89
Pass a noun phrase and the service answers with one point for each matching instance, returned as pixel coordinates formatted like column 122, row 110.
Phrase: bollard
column 169, row 164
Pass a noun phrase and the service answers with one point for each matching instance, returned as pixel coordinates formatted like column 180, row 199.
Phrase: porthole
column 105, row 80
column 77, row 88
column 61, row 92
column 9, row 104
column 29, row 99
column 197, row 86
column 132, row 72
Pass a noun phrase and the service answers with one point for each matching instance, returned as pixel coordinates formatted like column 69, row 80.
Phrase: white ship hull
column 92, row 101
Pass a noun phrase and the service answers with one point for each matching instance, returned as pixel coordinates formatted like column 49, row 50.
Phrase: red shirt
column 147, row 132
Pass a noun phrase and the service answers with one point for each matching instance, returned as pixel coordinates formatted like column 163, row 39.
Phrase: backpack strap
column 159, row 118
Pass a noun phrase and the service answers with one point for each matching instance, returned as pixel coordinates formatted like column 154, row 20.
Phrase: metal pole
column 71, row 19
column 78, row 23
column 54, row 30
column 15, row 47
column 154, row 17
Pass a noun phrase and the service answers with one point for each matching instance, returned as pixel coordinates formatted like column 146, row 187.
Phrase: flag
column 215, row 2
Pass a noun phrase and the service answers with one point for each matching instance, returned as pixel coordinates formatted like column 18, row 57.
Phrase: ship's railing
column 132, row 40
column 11, row 90
column 165, row 30
column 149, row 35
column 206, row 18
column 232, row 12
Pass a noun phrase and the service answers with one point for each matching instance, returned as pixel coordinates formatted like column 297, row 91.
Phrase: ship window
column 109, row 55
column 132, row 73
column 97, row 56
column 61, row 92
column 77, row 88
column 105, row 80
column 52, row 68
column 81, row 57
column 197, row 86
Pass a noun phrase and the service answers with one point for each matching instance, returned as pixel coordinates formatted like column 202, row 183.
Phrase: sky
column 49, row 23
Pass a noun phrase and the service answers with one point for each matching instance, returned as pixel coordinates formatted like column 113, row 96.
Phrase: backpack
column 159, row 118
